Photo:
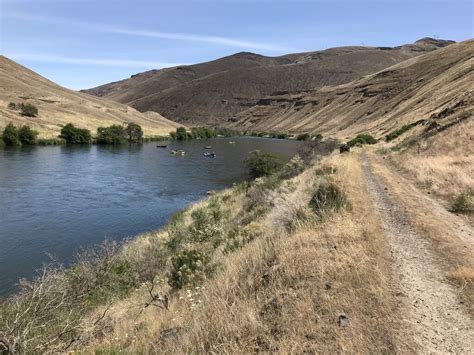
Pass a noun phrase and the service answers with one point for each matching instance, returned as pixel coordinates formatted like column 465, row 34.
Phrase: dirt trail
column 434, row 320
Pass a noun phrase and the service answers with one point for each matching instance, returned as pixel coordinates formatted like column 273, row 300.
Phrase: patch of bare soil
column 434, row 320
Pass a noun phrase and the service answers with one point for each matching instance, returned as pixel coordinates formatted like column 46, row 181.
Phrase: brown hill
column 213, row 92
column 59, row 106
column 436, row 87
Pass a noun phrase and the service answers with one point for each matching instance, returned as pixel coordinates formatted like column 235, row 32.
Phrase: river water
column 55, row 200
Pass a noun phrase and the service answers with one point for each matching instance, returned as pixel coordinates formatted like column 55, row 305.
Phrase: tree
column 10, row 135
column 114, row 134
column 73, row 135
column 28, row 110
column 27, row 135
column 303, row 137
column 181, row 134
column 263, row 163
column 135, row 133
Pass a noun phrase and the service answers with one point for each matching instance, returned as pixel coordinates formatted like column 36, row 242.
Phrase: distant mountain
column 436, row 87
column 59, row 106
column 213, row 92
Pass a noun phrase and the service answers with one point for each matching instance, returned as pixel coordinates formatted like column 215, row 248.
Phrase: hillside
column 435, row 87
column 59, row 106
column 213, row 92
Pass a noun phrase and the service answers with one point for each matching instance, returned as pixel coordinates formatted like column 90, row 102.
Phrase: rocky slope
column 435, row 87
column 59, row 106
column 213, row 92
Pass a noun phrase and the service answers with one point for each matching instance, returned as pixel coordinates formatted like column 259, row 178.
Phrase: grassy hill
column 213, row 92
column 59, row 106
column 434, row 87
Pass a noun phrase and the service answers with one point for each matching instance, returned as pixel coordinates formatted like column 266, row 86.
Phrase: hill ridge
column 214, row 91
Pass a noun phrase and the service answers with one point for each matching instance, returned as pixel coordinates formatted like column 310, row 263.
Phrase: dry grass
column 284, row 289
column 59, row 106
column 444, row 163
column 282, row 292
column 464, row 276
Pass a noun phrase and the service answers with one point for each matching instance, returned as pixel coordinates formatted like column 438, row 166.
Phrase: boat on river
column 209, row 155
column 177, row 152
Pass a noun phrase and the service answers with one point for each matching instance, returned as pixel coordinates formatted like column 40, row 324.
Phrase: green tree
column 263, row 163
column 73, row 135
column 303, row 137
column 27, row 135
column 114, row 134
column 10, row 135
column 134, row 133
column 28, row 110
column 181, row 134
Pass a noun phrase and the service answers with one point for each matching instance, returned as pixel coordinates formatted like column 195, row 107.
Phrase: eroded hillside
column 213, row 92
column 435, row 87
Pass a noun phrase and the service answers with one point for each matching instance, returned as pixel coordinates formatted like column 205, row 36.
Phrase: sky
column 84, row 43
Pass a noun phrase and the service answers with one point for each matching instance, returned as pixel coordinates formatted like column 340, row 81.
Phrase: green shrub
column 156, row 138
column 328, row 198
column 114, row 134
column 317, row 137
column 134, row 133
column 181, row 134
column 293, row 168
column 396, row 133
column 362, row 139
column 303, row 137
column 260, row 163
column 202, row 132
column 227, row 132
column 238, row 237
column 189, row 267
column 50, row 141
column 27, row 135
column 10, row 136
column 12, row 106
column 281, row 135
column 207, row 226
column 464, row 203
column 28, row 110
column 73, row 135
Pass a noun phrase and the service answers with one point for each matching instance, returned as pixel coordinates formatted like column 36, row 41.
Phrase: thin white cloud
column 90, row 61
column 218, row 40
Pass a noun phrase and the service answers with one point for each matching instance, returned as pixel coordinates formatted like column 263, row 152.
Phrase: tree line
column 182, row 134
column 114, row 134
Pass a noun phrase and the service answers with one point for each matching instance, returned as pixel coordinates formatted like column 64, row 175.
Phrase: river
column 55, row 200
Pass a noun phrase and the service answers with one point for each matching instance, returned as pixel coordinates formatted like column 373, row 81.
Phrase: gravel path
column 434, row 321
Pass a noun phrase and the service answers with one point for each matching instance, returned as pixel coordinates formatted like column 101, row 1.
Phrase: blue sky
column 84, row 43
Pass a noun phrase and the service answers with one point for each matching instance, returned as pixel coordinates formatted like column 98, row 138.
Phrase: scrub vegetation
column 65, row 308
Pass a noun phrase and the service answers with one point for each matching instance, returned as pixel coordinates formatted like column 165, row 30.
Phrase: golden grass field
column 58, row 106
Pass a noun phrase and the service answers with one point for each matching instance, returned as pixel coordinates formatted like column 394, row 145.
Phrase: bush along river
column 57, row 199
